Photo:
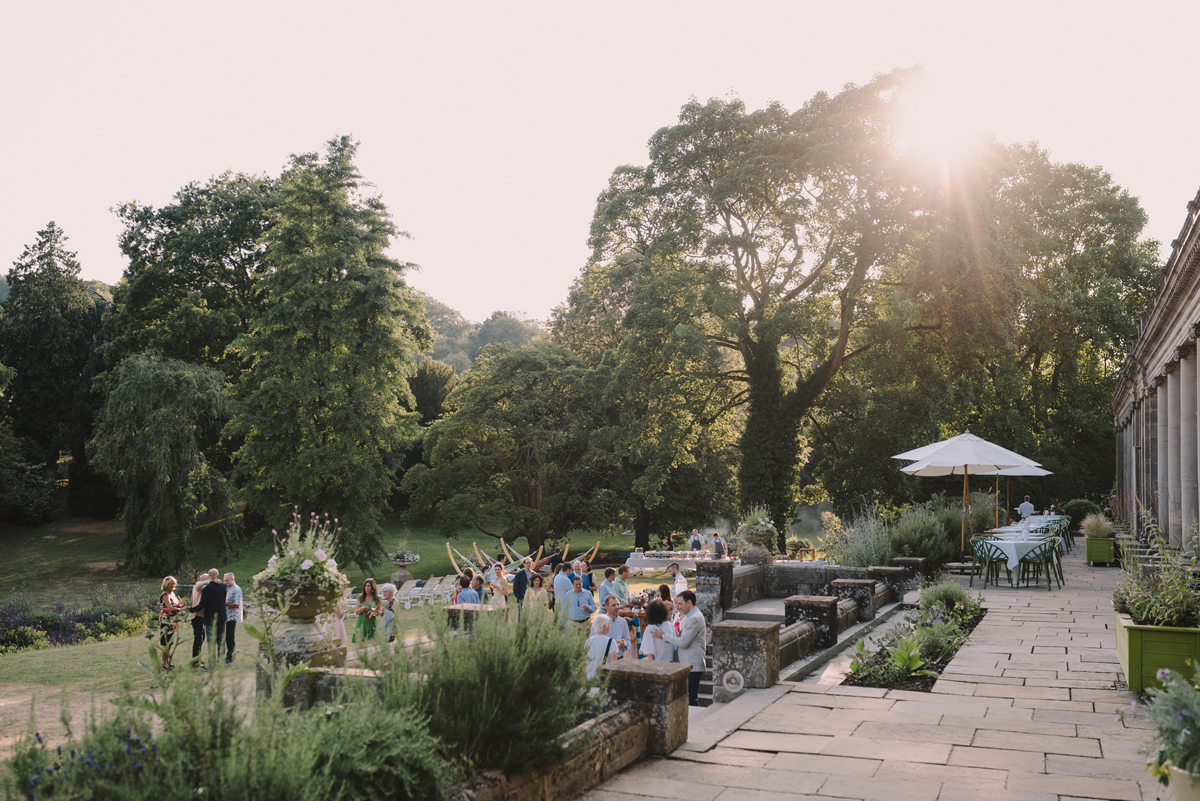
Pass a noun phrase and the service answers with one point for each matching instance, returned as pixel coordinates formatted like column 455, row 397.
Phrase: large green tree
column 515, row 457
column 195, row 266
column 158, row 416
column 321, row 406
column 781, row 232
column 47, row 326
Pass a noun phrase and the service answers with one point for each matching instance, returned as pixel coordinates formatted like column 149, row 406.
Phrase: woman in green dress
column 369, row 608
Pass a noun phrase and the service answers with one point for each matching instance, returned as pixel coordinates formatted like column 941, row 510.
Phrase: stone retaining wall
column 749, row 584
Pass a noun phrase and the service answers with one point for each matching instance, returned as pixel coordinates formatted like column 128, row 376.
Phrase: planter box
column 1099, row 549
column 1144, row 650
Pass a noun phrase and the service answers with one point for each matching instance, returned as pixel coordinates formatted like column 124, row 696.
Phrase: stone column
column 1174, row 451
column 1189, row 501
column 745, row 654
column 819, row 610
column 861, row 591
column 661, row 688
column 1161, row 507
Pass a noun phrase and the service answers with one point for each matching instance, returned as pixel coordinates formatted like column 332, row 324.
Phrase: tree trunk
column 767, row 474
column 641, row 527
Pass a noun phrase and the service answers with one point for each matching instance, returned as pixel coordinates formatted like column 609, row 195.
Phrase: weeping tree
column 158, row 417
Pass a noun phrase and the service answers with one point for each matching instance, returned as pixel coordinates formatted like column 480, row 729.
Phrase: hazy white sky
column 489, row 128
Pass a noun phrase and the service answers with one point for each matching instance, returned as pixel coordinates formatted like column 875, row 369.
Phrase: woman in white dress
column 655, row 648
column 601, row 647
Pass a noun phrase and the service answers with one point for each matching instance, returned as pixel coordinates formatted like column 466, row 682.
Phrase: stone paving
column 1027, row 711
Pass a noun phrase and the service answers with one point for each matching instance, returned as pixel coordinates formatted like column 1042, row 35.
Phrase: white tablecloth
column 1015, row 550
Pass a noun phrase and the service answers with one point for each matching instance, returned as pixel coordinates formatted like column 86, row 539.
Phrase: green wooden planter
column 1145, row 650
column 1099, row 549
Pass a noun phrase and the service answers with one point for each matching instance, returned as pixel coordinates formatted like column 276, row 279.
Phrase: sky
column 489, row 128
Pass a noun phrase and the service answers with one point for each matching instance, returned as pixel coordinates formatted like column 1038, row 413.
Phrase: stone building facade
column 1155, row 405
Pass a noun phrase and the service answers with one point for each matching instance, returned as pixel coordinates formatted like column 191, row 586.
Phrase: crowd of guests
column 214, row 612
column 674, row 629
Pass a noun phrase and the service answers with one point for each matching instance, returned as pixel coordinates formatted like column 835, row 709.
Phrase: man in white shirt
column 233, row 614
column 1026, row 509
column 720, row 547
column 679, row 582
column 562, row 586
column 695, row 543
column 691, row 641
column 619, row 629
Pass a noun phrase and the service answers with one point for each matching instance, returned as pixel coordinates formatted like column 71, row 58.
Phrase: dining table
column 1017, row 540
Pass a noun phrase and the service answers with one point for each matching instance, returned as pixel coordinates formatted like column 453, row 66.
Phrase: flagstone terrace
column 1029, row 710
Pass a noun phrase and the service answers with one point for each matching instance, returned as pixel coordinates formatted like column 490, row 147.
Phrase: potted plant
column 302, row 578
column 759, row 535
column 1098, row 533
column 1158, row 613
column 1174, row 709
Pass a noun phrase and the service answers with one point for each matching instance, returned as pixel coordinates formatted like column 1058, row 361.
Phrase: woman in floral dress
column 169, row 607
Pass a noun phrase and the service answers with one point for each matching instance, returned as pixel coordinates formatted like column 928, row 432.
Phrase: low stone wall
column 749, row 584
column 745, row 655
column 785, row 581
column 607, row 744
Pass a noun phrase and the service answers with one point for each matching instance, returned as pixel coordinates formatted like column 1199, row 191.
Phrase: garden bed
column 913, row 655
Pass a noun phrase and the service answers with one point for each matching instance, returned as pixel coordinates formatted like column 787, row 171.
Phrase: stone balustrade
column 745, row 655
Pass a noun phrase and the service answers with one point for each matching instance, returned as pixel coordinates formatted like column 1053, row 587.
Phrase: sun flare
column 935, row 124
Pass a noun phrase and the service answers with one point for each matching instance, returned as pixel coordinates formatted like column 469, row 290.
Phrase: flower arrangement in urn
column 758, row 535
column 303, row 577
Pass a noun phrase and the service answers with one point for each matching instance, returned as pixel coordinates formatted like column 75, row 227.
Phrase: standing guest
column 520, row 582
column 654, row 647
column 233, row 614
column 212, row 605
column 339, row 623
column 695, row 543
column 601, row 648
column 621, row 585
column 389, row 609
column 370, row 609
column 500, row 589
column 720, row 547
column 589, row 581
column 606, row 587
column 562, row 587
column 579, row 603
column 679, row 583
column 619, row 629
column 1025, row 509
column 477, row 586
column 466, row 595
column 169, row 607
column 690, row 641
column 197, row 620
column 664, row 592
column 538, row 596
column 555, row 560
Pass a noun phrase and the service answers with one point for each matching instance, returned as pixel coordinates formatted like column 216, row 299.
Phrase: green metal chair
column 991, row 557
column 1042, row 556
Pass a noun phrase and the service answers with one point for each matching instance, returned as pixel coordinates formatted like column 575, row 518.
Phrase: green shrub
column 499, row 698
column 940, row 639
column 1077, row 509
column 863, row 542
column 919, row 533
column 23, row 638
column 1097, row 526
column 47, row 621
column 949, row 596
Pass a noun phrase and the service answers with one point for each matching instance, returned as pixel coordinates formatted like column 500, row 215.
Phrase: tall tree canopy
column 322, row 403
column 158, row 416
column 193, row 279
column 773, row 237
column 47, row 325
column 515, row 457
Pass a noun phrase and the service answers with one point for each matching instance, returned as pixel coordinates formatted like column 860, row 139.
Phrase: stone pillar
column 1189, row 507
column 861, row 591
column 914, row 571
column 722, row 569
column 819, row 610
column 1174, row 451
column 892, row 577
column 1161, row 507
column 661, row 688
column 745, row 654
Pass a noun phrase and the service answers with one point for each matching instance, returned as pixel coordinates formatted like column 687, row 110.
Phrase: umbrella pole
column 964, row 516
column 1007, row 497
column 997, row 500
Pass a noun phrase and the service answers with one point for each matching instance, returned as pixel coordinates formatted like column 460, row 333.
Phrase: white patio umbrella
column 965, row 454
column 1014, row 471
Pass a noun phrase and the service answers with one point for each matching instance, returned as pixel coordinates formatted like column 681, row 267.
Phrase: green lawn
column 72, row 559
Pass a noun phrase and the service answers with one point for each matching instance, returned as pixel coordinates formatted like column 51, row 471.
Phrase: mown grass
column 70, row 559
